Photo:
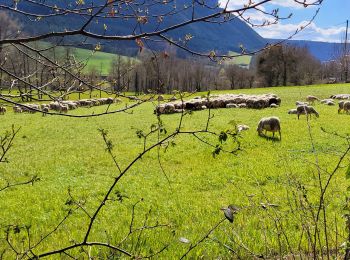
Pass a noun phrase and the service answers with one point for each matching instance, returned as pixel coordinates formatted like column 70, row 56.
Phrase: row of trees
column 281, row 65
column 58, row 69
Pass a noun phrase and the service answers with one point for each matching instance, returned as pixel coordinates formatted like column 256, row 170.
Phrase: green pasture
column 99, row 61
column 240, row 60
column 69, row 154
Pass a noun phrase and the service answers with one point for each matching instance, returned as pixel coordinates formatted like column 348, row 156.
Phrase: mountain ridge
column 222, row 38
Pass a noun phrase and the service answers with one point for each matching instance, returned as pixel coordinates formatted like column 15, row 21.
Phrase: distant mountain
column 206, row 36
column 222, row 38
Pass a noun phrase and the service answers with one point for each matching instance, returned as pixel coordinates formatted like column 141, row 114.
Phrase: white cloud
column 287, row 3
column 312, row 32
column 285, row 28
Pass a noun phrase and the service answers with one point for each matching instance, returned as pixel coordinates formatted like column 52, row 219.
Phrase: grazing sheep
column 306, row 110
column 330, row 103
column 325, row 101
column 43, row 105
column 292, row 111
column 45, row 110
column 341, row 96
column 347, row 107
column 17, row 109
column 226, row 101
column 64, row 109
column 271, row 124
column 311, row 99
column 344, row 106
column 2, row 110
column 110, row 100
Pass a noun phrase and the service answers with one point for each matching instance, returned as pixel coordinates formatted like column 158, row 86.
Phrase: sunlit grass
column 69, row 153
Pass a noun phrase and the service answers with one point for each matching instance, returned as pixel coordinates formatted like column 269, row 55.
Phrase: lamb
column 2, row 110
column 271, row 124
column 308, row 110
column 345, row 106
column 311, row 99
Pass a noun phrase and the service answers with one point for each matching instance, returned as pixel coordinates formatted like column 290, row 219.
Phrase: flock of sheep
column 272, row 124
column 267, row 124
column 220, row 101
column 62, row 106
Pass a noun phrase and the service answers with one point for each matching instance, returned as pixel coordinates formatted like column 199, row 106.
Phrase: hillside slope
column 206, row 36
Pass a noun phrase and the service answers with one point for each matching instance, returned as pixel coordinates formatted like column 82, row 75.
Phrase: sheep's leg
column 279, row 131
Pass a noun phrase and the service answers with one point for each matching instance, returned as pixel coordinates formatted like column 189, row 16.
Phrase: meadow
column 70, row 158
column 99, row 61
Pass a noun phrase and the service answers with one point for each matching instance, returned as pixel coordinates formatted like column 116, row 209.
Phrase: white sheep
column 17, row 109
column 45, row 110
column 344, row 106
column 325, row 101
column 2, row 110
column 63, row 108
column 311, row 99
column 306, row 110
column 271, row 124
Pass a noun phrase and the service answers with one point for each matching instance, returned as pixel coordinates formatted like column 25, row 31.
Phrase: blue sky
column 329, row 24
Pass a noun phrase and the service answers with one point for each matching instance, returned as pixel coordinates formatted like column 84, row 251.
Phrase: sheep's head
column 259, row 128
column 315, row 112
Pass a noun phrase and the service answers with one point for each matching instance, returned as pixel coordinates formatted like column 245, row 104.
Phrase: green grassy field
column 69, row 153
column 241, row 60
column 100, row 61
